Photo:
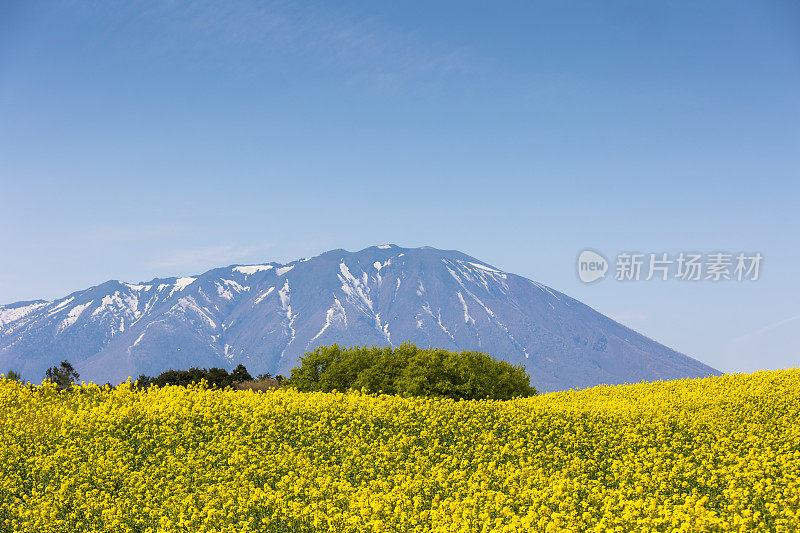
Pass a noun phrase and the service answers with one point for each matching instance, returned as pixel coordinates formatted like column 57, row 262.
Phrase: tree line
column 64, row 375
column 214, row 377
column 403, row 370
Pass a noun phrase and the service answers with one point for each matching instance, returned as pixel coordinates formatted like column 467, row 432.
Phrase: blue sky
column 142, row 139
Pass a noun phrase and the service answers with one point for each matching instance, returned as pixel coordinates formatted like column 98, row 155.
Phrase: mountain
column 266, row 316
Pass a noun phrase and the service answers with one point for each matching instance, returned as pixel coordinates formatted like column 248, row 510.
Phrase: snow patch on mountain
column 139, row 338
column 190, row 304
column 546, row 290
column 467, row 317
column 73, row 316
column 55, row 310
column 11, row 314
column 383, row 328
column 264, row 295
column 438, row 317
column 115, row 303
column 227, row 287
column 357, row 290
column 249, row 270
column 137, row 288
column 181, row 283
column 285, row 296
column 334, row 314
column 483, row 267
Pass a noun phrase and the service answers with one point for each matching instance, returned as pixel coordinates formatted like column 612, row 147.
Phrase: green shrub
column 406, row 369
column 214, row 377
column 13, row 375
column 63, row 375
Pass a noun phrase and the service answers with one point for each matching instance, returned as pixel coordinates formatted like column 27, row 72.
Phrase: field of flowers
column 718, row 454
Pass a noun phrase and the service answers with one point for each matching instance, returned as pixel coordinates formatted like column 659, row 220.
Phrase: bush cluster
column 409, row 370
column 214, row 377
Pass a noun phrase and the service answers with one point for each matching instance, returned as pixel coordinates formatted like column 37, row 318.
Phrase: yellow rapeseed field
column 717, row 454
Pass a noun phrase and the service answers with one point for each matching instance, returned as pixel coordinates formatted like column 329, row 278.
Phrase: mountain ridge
column 266, row 315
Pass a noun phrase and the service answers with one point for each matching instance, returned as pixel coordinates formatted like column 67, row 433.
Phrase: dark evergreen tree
column 63, row 375
column 240, row 374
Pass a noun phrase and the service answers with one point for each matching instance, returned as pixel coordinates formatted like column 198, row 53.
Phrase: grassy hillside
column 715, row 454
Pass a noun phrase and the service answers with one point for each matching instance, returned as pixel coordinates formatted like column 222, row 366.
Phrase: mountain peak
column 267, row 315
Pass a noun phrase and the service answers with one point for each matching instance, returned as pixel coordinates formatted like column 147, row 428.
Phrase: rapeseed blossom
column 715, row 454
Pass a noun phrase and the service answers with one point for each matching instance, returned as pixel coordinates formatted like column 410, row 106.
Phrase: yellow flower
column 713, row 454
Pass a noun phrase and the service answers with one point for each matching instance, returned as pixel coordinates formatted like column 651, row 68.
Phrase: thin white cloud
column 362, row 48
column 765, row 329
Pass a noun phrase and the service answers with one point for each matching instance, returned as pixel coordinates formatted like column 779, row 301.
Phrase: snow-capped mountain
column 266, row 316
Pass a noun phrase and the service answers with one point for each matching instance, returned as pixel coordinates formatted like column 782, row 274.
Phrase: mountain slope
column 266, row 316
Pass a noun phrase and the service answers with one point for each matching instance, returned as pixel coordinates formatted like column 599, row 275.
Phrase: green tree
column 406, row 369
column 14, row 376
column 240, row 374
column 218, row 377
column 144, row 381
column 215, row 377
column 63, row 375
